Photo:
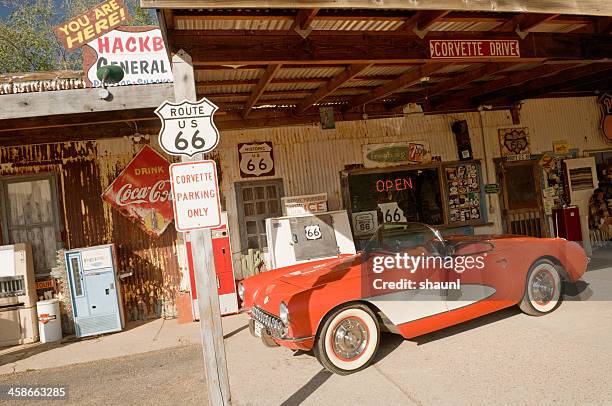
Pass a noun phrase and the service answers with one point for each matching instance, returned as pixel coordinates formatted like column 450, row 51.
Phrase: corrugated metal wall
column 309, row 159
column 84, row 170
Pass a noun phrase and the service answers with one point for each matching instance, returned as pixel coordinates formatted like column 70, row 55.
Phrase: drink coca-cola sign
column 142, row 192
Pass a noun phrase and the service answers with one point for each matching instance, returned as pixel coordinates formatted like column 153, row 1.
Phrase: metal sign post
column 201, row 239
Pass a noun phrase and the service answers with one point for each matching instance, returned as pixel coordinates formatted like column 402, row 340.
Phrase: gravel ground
column 162, row 378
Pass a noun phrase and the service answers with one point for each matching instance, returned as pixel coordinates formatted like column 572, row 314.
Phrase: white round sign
column 188, row 127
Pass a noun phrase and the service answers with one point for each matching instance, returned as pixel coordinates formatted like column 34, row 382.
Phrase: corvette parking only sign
column 195, row 195
column 188, row 127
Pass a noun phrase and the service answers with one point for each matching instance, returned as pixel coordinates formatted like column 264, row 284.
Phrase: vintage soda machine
column 18, row 322
column 94, row 290
column 226, row 283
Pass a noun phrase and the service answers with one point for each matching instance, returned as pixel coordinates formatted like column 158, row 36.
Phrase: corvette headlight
column 241, row 291
column 283, row 313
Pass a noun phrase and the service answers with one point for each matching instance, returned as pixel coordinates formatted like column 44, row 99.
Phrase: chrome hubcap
column 350, row 338
column 543, row 287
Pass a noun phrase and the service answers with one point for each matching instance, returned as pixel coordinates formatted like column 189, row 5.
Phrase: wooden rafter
column 422, row 20
column 524, row 22
column 260, row 88
column 603, row 25
column 407, row 79
column 382, row 48
column 587, row 7
column 349, row 73
column 460, row 80
column 467, row 97
column 537, row 86
column 304, row 18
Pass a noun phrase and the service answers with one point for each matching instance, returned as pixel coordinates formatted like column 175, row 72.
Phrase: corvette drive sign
column 188, row 127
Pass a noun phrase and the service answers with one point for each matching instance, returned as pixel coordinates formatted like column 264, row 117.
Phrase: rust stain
column 84, row 169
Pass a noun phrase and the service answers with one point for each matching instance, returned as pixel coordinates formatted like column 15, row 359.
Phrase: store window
column 257, row 201
column 30, row 215
column 446, row 195
column 603, row 160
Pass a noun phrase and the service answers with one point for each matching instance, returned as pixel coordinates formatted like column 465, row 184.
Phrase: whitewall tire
column 348, row 339
column 543, row 289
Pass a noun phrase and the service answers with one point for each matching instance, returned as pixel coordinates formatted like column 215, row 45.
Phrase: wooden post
column 206, row 279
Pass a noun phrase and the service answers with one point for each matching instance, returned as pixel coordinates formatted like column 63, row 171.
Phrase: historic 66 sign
column 256, row 159
column 188, row 127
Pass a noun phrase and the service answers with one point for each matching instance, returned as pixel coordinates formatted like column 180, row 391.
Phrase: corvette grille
column 273, row 324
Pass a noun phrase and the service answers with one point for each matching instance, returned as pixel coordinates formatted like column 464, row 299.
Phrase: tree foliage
column 27, row 40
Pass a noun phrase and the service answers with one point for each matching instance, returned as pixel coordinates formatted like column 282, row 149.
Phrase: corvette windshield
column 400, row 237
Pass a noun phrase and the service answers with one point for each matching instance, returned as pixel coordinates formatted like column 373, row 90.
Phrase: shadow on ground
column 10, row 355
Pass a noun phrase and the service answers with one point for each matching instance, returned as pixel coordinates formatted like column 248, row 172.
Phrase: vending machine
column 566, row 222
column 18, row 322
column 94, row 290
column 226, row 284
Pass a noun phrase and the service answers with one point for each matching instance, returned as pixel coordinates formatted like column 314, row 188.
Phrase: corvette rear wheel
column 348, row 339
column 542, row 289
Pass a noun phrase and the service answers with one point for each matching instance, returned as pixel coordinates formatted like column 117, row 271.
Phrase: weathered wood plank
column 422, row 20
column 586, row 7
column 304, row 18
column 407, row 79
column 77, row 101
column 349, row 73
column 461, row 80
column 260, row 88
column 524, row 22
column 536, row 86
column 388, row 47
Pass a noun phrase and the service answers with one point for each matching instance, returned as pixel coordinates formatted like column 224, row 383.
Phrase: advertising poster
column 97, row 21
column 142, row 192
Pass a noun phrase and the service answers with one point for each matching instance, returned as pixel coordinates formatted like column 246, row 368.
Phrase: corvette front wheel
column 348, row 339
column 542, row 289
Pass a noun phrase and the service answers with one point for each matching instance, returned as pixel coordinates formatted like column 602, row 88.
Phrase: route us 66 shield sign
column 256, row 159
column 188, row 127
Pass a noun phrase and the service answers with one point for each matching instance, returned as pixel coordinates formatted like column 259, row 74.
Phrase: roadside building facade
column 356, row 105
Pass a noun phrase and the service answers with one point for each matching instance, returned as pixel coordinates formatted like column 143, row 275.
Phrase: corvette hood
column 322, row 272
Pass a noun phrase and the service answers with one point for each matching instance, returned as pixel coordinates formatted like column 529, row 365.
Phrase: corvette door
column 479, row 279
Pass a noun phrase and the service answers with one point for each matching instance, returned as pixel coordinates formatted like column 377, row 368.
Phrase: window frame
column 238, row 189
column 5, row 181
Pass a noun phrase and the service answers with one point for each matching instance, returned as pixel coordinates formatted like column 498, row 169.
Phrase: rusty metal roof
column 14, row 83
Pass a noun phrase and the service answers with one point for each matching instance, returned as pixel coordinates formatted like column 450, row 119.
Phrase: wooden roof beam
column 260, row 88
column 460, row 80
column 420, row 22
column 304, row 18
column 407, row 79
column 382, row 48
column 583, row 7
column 603, row 25
column 524, row 23
column 349, row 73
column 499, row 85
column 537, row 86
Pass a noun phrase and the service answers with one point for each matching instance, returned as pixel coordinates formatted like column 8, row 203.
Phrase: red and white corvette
column 338, row 307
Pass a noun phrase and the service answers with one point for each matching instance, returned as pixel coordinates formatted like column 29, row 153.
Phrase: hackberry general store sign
column 142, row 192
column 139, row 51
